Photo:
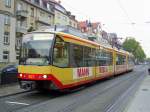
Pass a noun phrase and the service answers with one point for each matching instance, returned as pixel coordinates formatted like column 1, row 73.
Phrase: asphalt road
column 104, row 96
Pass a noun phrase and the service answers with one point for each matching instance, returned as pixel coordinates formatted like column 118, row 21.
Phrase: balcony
column 22, row 13
column 44, row 20
column 21, row 29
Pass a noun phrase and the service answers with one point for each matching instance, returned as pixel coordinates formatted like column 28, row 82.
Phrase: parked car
column 9, row 74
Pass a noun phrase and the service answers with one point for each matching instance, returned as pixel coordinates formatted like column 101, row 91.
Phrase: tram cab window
column 61, row 55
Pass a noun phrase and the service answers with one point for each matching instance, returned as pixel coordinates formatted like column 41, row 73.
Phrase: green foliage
column 133, row 46
column 31, row 29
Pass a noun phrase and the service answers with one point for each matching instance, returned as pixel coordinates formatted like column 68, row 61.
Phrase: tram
column 57, row 60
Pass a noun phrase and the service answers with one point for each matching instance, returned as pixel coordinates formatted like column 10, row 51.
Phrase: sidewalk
column 141, row 101
column 9, row 89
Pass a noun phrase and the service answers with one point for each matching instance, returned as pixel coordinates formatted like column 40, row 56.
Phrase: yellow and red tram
column 58, row 60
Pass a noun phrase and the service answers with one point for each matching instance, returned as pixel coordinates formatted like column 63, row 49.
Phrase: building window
column 58, row 15
column 6, row 38
column 42, row 14
column 17, row 57
column 8, row 3
column 18, row 42
column 49, row 18
column 37, row 2
column 70, row 23
column 5, row 55
column 48, row 7
column 7, row 20
column 32, row 12
column 19, row 6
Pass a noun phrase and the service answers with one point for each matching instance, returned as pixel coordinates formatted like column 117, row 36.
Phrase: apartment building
column 62, row 16
column 72, row 20
column 18, row 17
column 7, row 31
column 31, row 15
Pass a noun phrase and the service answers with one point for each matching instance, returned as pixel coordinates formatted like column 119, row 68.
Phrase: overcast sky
column 116, row 16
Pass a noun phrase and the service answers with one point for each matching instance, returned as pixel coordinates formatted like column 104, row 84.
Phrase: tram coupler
column 27, row 85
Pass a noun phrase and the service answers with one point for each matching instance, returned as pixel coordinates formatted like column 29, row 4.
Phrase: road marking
column 18, row 103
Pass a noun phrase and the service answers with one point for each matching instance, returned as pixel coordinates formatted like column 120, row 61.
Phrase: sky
column 127, row 18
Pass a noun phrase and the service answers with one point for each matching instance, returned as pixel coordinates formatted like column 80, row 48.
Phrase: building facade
column 7, row 31
column 62, row 16
column 72, row 20
column 94, row 31
column 18, row 17
column 31, row 15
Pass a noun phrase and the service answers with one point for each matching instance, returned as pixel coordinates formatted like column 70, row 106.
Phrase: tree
column 133, row 46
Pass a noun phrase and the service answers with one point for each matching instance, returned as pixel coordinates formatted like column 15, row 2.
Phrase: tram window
column 93, row 57
column 61, row 55
column 110, row 58
column 89, row 57
column 78, row 55
column 104, row 58
column 120, row 59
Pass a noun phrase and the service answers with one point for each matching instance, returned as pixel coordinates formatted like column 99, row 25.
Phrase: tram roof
column 69, row 32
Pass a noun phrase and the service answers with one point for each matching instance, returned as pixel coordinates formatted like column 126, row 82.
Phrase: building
column 18, row 17
column 31, row 15
column 72, row 20
column 94, row 31
column 114, row 40
column 7, row 31
column 60, row 13
column 91, row 28
column 62, row 16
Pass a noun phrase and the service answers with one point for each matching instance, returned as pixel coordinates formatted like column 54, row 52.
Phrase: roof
column 85, row 24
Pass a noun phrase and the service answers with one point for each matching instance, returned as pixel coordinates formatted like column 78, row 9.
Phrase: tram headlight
column 44, row 76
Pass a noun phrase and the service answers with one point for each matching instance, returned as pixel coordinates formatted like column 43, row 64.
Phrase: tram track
column 72, row 103
column 89, row 97
column 17, row 101
column 119, row 104
column 17, row 93
column 36, row 99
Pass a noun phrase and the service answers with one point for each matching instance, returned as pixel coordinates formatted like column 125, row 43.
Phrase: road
column 111, row 95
